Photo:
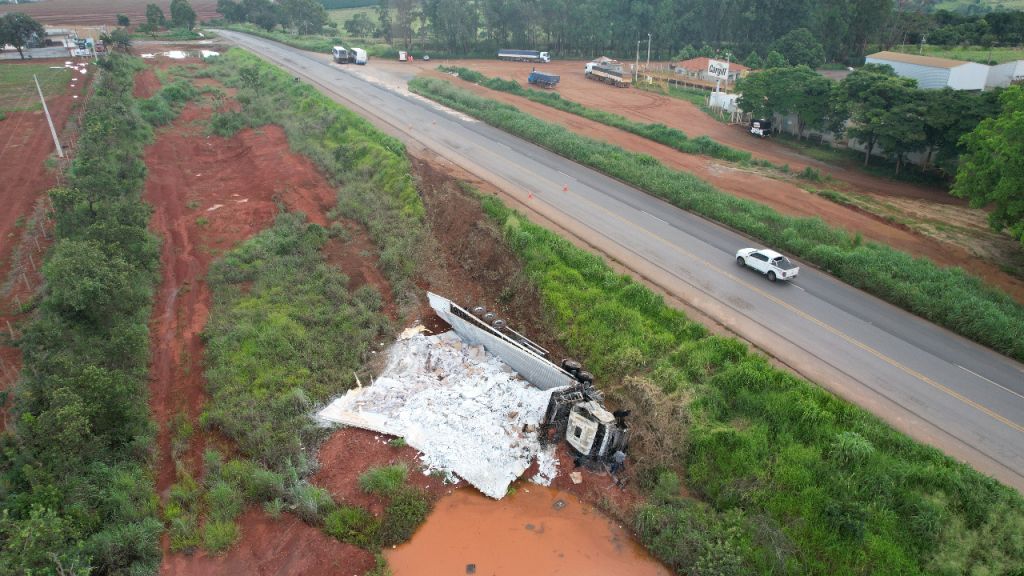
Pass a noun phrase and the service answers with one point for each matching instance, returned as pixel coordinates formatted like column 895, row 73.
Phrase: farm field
column 102, row 12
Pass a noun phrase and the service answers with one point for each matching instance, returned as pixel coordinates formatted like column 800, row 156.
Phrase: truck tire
column 771, row 276
column 741, row 262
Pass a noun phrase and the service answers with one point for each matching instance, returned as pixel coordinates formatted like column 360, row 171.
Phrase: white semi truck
column 524, row 55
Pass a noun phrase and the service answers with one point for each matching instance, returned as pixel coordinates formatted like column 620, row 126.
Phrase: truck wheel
column 771, row 276
column 739, row 260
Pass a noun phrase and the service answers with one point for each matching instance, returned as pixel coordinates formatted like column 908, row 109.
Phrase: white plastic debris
column 460, row 406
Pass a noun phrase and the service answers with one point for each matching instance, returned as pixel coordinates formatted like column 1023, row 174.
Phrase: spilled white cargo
column 465, row 410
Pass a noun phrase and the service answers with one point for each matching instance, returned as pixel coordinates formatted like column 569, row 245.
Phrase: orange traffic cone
column 565, row 188
column 529, row 196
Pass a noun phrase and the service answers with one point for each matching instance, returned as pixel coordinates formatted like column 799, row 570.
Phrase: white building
column 931, row 72
column 1003, row 75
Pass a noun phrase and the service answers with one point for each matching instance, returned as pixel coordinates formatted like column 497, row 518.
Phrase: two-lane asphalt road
column 924, row 380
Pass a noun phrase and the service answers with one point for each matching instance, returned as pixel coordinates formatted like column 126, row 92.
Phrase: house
column 933, row 73
column 697, row 68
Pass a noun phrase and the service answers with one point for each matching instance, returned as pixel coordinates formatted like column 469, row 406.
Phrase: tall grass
column 947, row 296
column 796, row 480
column 671, row 137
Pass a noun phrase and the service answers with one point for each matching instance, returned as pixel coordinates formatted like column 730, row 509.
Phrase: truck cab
column 341, row 55
column 545, row 57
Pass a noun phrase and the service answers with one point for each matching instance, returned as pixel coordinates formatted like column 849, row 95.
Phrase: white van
column 403, row 56
column 360, row 57
column 341, row 55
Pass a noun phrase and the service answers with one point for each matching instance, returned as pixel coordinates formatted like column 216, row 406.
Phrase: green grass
column 969, row 53
column 172, row 34
column 947, row 296
column 18, row 90
column 384, row 481
column 794, row 480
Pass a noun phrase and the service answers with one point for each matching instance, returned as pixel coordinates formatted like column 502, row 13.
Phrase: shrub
column 384, row 481
column 353, row 525
column 404, row 514
column 219, row 535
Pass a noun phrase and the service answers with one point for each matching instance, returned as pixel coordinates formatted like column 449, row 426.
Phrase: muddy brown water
column 537, row 530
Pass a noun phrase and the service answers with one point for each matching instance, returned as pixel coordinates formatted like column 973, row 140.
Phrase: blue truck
column 543, row 79
column 524, row 55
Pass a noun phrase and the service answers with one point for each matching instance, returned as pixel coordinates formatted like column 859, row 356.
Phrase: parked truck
column 608, row 71
column 342, row 55
column 524, row 56
column 543, row 79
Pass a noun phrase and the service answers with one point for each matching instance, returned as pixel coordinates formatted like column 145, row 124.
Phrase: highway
column 924, row 380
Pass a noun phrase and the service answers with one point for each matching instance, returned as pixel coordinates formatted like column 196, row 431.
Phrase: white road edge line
column 653, row 216
column 969, row 371
column 795, row 285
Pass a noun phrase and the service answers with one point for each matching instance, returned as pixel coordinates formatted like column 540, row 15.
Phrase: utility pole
column 53, row 132
column 636, row 69
column 648, row 52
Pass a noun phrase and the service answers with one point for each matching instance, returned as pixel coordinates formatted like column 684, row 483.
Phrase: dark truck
column 543, row 79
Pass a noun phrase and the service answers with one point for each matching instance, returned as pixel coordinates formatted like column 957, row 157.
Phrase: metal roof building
column 1006, row 74
column 931, row 72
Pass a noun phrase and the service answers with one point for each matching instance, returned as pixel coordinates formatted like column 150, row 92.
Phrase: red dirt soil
column 234, row 185
column 98, row 12
column 782, row 195
column 146, row 84
column 25, row 144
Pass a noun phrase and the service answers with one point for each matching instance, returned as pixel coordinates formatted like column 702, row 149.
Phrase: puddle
column 181, row 54
column 535, row 531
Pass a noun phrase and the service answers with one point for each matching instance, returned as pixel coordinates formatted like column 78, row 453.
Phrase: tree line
column 847, row 29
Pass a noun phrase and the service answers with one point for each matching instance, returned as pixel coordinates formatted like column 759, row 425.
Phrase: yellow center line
column 892, row 362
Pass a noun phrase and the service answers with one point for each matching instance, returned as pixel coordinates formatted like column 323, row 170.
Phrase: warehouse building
column 931, row 72
column 1003, row 75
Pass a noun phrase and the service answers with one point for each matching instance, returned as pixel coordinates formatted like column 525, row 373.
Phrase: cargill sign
column 718, row 69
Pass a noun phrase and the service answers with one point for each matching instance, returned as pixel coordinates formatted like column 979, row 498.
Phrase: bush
column 384, row 481
column 406, row 511
column 353, row 525
column 219, row 535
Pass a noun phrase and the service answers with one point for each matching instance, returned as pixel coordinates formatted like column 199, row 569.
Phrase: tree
column 85, row 281
column 17, row 28
column 384, row 16
column 119, row 39
column 793, row 90
column 231, row 11
column 123, row 21
column 262, row 13
column 308, row 16
column 992, row 168
column 451, row 24
column 155, row 17
column 775, row 60
column 360, row 25
column 182, row 14
column 800, row 47
column 753, row 60
column 406, row 13
column 880, row 105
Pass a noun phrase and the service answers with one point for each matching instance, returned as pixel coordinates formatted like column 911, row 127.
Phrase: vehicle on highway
column 768, row 262
column 524, row 55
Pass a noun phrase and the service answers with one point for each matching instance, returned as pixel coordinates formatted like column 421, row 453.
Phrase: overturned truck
column 575, row 409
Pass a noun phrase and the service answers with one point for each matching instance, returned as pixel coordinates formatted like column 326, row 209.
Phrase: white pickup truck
column 768, row 262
